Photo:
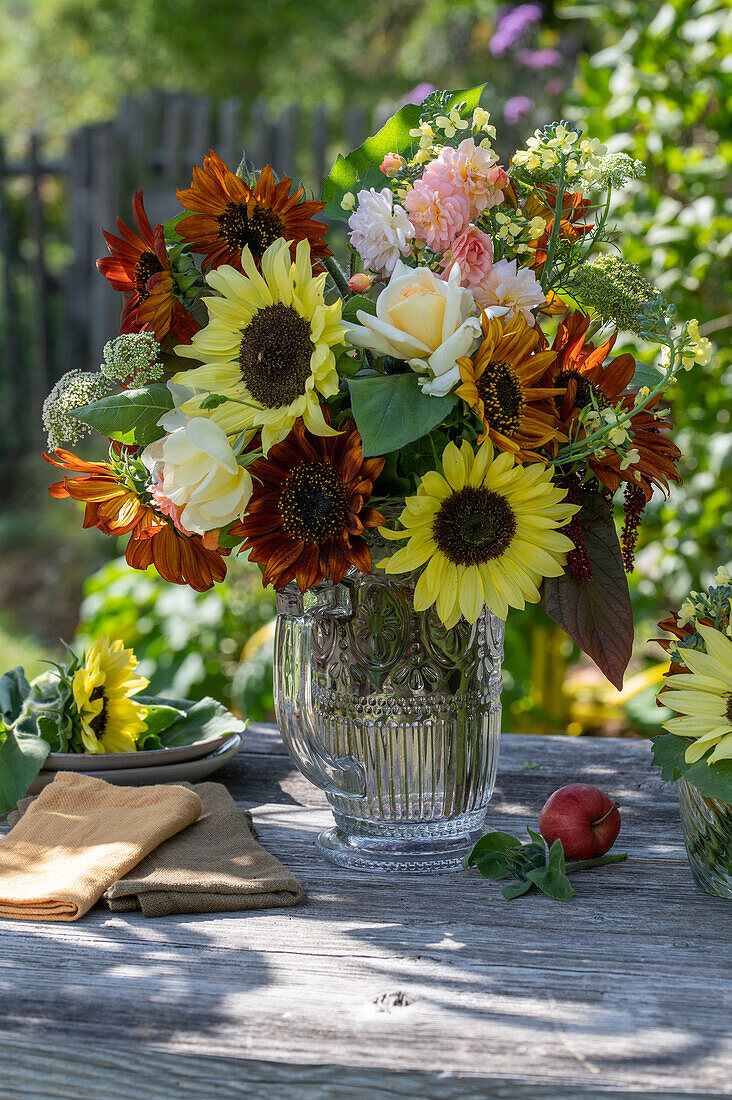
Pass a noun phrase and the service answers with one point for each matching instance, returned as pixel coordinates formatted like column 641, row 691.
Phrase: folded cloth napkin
column 78, row 837
column 215, row 866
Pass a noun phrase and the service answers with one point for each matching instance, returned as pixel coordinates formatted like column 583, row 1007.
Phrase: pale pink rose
column 474, row 171
column 438, row 211
column 473, row 250
column 391, row 164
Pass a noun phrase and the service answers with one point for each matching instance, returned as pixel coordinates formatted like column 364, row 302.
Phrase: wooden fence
column 56, row 311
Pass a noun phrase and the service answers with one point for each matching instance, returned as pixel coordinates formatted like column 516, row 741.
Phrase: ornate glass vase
column 707, row 826
column 395, row 717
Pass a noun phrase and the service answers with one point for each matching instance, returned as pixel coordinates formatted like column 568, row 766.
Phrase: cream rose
column 196, row 470
column 428, row 322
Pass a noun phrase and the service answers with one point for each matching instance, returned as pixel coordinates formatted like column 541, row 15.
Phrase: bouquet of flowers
column 453, row 387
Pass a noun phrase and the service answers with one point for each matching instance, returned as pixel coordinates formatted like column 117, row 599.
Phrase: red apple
column 583, row 818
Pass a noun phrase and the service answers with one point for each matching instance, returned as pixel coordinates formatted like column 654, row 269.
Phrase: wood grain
column 395, row 986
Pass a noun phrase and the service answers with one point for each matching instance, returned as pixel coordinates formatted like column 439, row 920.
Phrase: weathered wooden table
column 392, row 986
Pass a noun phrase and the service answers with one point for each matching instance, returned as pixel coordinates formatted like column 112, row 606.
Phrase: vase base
column 362, row 854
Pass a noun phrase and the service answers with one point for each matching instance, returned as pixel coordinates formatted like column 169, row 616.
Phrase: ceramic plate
column 191, row 770
column 114, row 761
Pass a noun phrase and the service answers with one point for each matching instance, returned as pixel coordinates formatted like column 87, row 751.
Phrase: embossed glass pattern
column 394, row 716
column 707, row 826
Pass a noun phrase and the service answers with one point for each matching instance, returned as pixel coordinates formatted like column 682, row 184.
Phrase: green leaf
column 200, row 721
column 391, row 411
column 21, row 759
column 492, row 842
column 596, row 614
column 356, row 303
column 159, row 718
column 148, row 742
column 515, row 890
column 130, row 416
column 14, row 690
column 360, row 169
column 551, row 882
column 713, row 780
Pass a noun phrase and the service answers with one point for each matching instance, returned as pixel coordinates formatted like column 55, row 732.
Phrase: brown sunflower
column 500, row 385
column 138, row 265
column 306, row 516
column 228, row 215
column 580, row 371
column 114, row 505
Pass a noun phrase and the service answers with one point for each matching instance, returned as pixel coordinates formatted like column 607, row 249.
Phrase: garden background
column 81, row 78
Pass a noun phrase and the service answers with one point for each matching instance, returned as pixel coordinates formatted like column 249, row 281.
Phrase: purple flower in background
column 539, row 59
column 417, row 94
column 512, row 25
column 555, row 86
column 516, row 107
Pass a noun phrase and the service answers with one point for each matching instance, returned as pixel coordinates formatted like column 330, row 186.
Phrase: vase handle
column 343, row 775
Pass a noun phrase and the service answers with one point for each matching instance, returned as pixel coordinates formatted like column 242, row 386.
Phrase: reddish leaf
column 596, row 614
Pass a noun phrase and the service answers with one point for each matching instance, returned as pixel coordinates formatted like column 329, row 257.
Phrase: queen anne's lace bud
column 133, row 358
column 75, row 389
column 618, row 291
column 615, row 170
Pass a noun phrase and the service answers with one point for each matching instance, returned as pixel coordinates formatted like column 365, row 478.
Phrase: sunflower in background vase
column 103, row 687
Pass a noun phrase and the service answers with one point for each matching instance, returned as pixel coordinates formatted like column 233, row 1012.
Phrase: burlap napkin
column 78, row 837
column 215, row 866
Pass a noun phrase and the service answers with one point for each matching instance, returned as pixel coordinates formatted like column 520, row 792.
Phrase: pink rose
column 438, row 210
column 473, row 250
column 391, row 164
column 474, row 171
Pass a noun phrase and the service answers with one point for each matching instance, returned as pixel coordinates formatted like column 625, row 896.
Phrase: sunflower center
column 274, row 355
column 313, row 502
column 473, row 526
column 585, row 390
column 728, row 711
column 147, row 266
column 258, row 231
column 502, row 395
column 99, row 723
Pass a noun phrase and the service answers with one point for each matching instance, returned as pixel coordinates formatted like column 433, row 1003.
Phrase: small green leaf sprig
column 531, row 864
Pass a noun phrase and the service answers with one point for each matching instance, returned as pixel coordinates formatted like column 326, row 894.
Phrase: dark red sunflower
column 140, row 268
column 573, row 222
column 306, row 516
column 581, row 368
column 229, row 215
column 113, row 505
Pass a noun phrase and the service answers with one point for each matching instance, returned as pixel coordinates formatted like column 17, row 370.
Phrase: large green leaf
column 201, row 721
column 596, row 614
column 360, row 169
column 391, row 410
column 14, row 690
column 130, row 416
column 713, row 780
column 21, row 759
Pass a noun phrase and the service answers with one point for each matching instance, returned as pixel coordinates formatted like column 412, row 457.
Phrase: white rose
column 428, row 322
column 380, row 230
column 196, row 470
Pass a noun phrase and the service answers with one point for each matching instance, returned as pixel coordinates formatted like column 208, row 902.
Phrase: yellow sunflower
column 485, row 531
column 267, row 346
column 500, row 384
column 110, row 720
column 703, row 698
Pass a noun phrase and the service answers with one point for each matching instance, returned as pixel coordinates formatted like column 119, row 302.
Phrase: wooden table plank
column 623, row 991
